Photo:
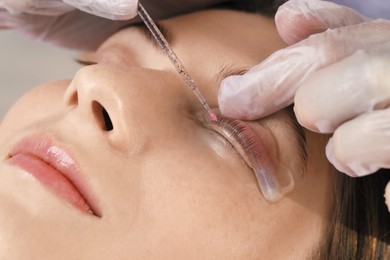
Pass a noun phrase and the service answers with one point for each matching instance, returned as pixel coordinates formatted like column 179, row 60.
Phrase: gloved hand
column 115, row 10
column 336, row 71
column 65, row 23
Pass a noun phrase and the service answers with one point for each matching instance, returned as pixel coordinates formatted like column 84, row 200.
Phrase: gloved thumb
column 298, row 19
column 114, row 10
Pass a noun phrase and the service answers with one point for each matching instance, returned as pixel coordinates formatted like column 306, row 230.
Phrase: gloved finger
column 298, row 19
column 362, row 145
column 118, row 10
column 271, row 85
column 58, row 30
column 7, row 20
column 344, row 90
column 39, row 7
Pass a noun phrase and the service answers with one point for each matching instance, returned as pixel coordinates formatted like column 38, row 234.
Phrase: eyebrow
column 229, row 70
column 299, row 133
column 163, row 29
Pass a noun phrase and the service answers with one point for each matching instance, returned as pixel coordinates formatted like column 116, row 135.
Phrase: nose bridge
column 129, row 98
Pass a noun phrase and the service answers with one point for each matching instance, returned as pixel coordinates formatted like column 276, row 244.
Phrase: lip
column 56, row 170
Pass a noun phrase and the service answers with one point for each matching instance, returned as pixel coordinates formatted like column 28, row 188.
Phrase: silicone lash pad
column 274, row 178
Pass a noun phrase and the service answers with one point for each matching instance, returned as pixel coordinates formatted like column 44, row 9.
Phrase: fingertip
column 231, row 89
column 118, row 10
column 228, row 88
column 324, row 126
column 296, row 20
column 351, row 155
column 307, row 116
column 226, row 94
column 351, row 168
column 331, row 155
column 236, row 101
column 125, row 9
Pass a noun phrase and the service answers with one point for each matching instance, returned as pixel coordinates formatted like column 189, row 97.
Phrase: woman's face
column 160, row 184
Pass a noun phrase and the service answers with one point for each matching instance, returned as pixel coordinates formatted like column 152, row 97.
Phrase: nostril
column 102, row 116
column 107, row 121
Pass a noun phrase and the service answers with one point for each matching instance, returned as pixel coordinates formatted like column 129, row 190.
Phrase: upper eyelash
column 274, row 178
column 240, row 135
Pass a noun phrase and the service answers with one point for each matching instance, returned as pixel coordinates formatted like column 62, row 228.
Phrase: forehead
column 247, row 38
column 239, row 31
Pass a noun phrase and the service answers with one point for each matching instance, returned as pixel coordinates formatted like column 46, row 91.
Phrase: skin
column 166, row 187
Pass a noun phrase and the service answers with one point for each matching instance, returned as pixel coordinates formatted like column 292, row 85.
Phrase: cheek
column 204, row 197
column 190, row 192
column 37, row 104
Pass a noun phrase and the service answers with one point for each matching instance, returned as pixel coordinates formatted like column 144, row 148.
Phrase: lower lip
column 52, row 179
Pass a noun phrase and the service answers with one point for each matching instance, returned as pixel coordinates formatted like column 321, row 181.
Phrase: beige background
column 25, row 63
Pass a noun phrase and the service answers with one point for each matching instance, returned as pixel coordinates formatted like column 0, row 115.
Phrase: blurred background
column 25, row 63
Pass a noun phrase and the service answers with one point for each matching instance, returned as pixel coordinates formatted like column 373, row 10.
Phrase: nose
column 121, row 103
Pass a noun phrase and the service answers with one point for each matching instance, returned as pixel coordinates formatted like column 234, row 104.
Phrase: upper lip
column 43, row 148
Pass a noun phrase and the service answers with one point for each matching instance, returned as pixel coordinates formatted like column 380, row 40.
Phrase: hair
column 359, row 224
column 264, row 7
column 359, row 227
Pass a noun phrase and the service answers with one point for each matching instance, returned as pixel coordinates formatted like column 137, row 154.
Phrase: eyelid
column 86, row 58
column 85, row 63
column 236, row 134
column 274, row 178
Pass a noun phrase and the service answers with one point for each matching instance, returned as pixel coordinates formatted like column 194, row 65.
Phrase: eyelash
column 241, row 136
column 273, row 182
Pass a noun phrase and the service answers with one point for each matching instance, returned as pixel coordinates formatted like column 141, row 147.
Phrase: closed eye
column 84, row 62
column 240, row 135
column 274, row 178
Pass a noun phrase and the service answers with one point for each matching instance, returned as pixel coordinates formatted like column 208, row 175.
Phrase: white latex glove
column 66, row 22
column 115, row 10
column 62, row 22
column 339, row 77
